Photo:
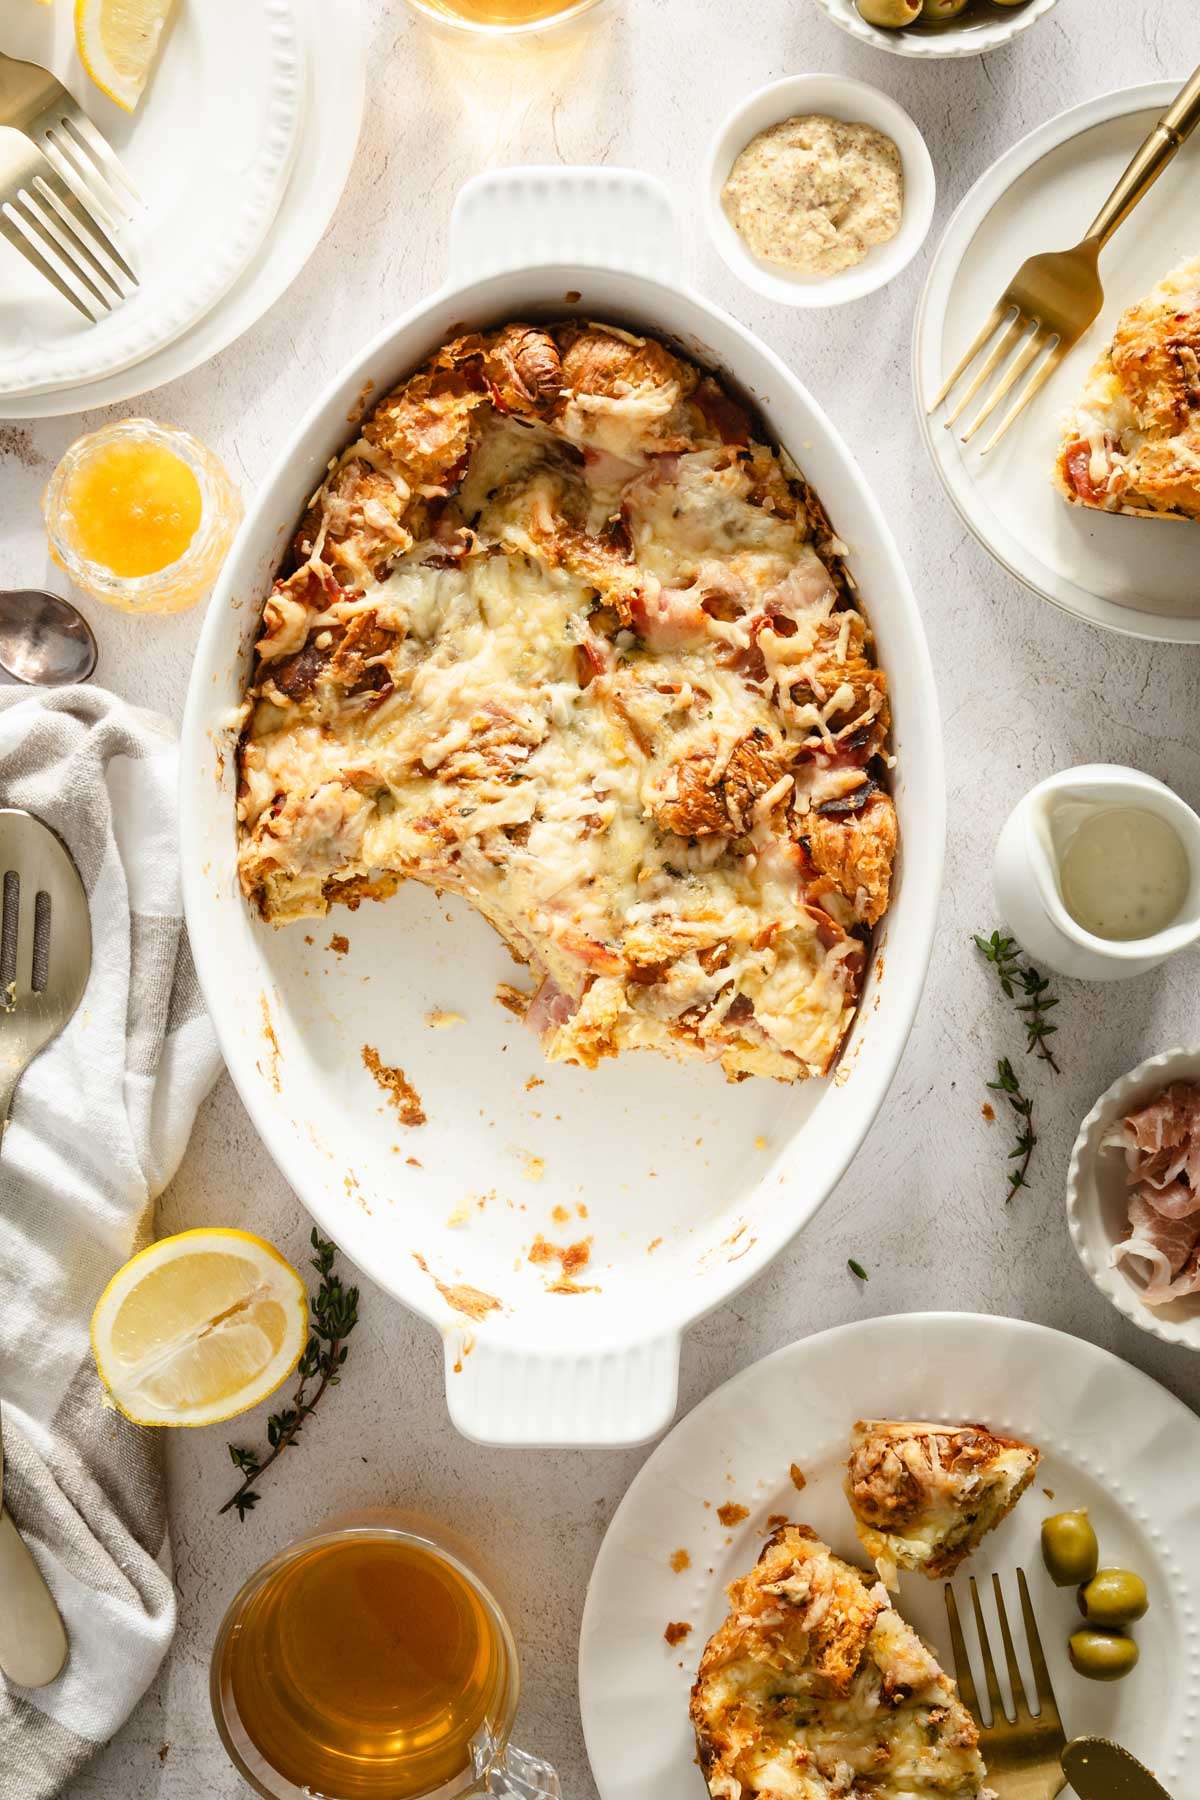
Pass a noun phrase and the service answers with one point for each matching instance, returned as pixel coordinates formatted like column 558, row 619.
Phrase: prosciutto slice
column 1161, row 1141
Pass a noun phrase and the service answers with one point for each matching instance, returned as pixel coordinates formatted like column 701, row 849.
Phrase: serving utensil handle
column 1172, row 130
column 33, row 1640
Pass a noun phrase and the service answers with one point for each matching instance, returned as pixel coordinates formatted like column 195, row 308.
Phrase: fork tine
column 102, row 152
column 962, row 1662
column 1038, row 379
column 60, row 237
column 1036, row 344
column 1003, row 348
column 81, row 176
column 22, row 243
column 70, row 206
column 998, row 312
column 989, row 1667
column 45, row 234
column 1047, row 1704
column 1020, row 1703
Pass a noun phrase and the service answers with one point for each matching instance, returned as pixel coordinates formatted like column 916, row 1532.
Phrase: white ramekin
column 1098, row 1193
column 994, row 31
column 838, row 97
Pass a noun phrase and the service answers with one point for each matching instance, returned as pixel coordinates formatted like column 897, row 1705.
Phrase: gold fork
column 37, row 103
column 64, row 240
column 1053, row 297
column 1023, row 1754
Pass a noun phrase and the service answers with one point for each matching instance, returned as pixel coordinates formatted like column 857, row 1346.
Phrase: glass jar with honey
column 141, row 515
column 370, row 1662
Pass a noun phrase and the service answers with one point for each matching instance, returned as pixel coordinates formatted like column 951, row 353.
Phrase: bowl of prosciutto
column 1133, row 1196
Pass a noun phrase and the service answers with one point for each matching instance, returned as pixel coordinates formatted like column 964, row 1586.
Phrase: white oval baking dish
column 685, row 1185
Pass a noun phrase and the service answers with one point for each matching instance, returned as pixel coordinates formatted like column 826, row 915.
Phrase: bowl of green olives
column 936, row 27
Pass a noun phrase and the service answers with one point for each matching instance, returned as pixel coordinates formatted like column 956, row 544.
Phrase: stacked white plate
column 239, row 156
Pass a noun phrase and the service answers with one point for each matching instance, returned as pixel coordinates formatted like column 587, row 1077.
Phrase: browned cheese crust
column 923, row 1495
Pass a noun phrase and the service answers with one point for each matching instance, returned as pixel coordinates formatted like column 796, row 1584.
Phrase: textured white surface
column 1025, row 690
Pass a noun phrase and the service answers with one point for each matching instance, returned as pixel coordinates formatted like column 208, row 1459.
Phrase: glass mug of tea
column 368, row 1661
column 502, row 18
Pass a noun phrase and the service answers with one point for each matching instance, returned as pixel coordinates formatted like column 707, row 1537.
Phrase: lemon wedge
column 199, row 1327
column 117, row 41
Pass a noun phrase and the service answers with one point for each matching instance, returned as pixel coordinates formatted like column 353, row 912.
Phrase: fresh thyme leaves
column 1006, row 1083
column 1030, row 990
column 334, row 1315
column 856, row 1268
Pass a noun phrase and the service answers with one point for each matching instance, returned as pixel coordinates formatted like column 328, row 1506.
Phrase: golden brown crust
column 857, row 851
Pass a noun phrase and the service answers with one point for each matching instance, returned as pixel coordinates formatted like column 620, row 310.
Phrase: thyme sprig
column 1030, row 989
column 334, row 1311
column 1006, row 1083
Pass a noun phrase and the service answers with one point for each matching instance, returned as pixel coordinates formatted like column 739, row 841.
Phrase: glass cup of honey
column 368, row 1661
column 141, row 515
column 502, row 18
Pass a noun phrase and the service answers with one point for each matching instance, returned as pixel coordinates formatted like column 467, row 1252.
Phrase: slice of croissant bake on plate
column 1131, row 443
column 924, row 1495
column 815, row 1688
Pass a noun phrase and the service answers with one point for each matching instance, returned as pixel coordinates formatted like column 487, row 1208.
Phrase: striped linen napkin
column 99, row 1124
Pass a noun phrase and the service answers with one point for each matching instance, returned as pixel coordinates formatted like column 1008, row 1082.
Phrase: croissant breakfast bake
column 924, row 1495
column 559, row 633
column 1132, row 442
column 815, row 1688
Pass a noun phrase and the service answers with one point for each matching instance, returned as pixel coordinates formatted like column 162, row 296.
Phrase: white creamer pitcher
column 1027, row 872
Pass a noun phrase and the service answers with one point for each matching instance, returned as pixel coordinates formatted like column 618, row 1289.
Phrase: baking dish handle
column 547, row 1399
column 594, row 217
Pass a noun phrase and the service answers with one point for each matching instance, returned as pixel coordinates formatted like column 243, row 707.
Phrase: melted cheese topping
column 924, row 1495
column 619, row 700
column 815, row 1685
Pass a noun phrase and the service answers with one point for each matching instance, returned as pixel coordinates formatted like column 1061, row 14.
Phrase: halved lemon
column 199, row 1327
column 117, row 42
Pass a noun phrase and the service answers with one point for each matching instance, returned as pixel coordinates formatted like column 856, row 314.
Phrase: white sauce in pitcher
column 1124, row 873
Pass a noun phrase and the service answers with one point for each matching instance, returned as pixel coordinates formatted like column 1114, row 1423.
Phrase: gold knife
column 1100, row 1770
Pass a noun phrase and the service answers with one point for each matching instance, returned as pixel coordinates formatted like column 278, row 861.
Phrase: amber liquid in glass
column 364, row 1668
column 502, row 12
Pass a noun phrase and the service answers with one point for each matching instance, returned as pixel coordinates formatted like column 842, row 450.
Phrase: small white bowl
column 1001, row 26
column 837, row 97
column 1098, row 1199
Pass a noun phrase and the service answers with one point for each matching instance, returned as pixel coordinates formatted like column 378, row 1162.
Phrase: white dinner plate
column 328, row 139
column 209, row 149
column 1111, row 1440
column 1138, row 576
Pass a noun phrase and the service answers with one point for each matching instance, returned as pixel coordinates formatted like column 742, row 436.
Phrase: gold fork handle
column 1173, row 129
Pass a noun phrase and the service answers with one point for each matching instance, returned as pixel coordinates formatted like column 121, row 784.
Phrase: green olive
column 891, row 14
column 1069, row 1548
column 934, row 12
column 1114, row 1597
column 1010, row 2
column 1102, row 1655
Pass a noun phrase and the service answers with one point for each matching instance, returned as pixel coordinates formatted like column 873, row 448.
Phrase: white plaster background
column 1024, row 690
